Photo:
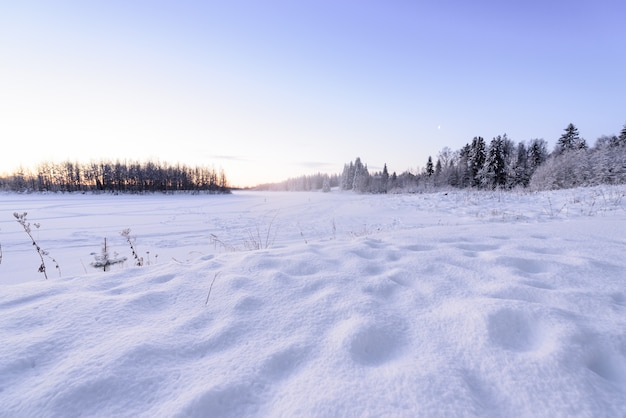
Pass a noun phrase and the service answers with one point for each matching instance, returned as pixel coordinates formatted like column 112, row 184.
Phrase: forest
column 499, row 164
column 116, row 177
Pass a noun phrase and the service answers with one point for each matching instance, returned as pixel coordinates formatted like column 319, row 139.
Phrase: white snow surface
column 463, row 303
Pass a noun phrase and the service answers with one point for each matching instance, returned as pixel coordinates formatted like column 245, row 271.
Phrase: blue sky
column 273, row 89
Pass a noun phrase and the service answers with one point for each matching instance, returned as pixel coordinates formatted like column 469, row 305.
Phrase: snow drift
column 457, row 304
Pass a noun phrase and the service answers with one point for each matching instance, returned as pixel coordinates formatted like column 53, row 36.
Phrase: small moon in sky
column 439, row 127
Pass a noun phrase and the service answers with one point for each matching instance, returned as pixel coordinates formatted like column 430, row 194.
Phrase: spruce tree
column 522, row 170
column 361, row 176
column 385, row 179
column 463, row 175
column 570, row 140
column 347, row 178
column 429, row 167
column 494, row 173
column 538, row 153
column 438, row 167
column 477, row 159
column 326, row 185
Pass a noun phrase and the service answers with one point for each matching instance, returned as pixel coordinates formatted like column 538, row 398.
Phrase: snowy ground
column 461, row 304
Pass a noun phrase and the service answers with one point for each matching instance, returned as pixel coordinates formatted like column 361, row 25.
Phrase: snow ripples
column 497, row 320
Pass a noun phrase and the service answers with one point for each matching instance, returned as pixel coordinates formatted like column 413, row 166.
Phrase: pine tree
column 429, row 167
column 104, row 259
column 537, row 153
column 445, row 162
column 509, row 155
column 570, row 140
column 463, row 173
column 347, row 178
column 494, row 171
column 438, row 167
column 361, row 176
column 385, row 179
column 326, row 185
column 477, row 159
column 344, row 177
column 522, row 170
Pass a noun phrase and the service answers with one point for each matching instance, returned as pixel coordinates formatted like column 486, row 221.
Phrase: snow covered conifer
column 494, row 173
column 570, row 139
column 537, row 153
column 477, row 159
column 104, row 260
column 385, row 179
column 347, row 177
column 361, row 176
column 429, row 167
column 326, row 185
column 521, row 171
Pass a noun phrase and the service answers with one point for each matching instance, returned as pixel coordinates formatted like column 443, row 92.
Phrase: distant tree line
column 573, row 164
column 116, row 177
column 500, row 163
column 311, row 182
column 503, row 164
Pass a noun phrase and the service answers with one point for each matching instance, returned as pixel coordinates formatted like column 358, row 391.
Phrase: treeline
column 116, row 177
column 500, row 163
column 503, row 164
column 317, row 181
column 605, row 163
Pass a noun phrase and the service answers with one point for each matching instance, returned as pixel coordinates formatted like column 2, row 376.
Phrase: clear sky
column 274, row 89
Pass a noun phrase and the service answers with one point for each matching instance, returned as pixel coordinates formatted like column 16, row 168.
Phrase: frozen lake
column 317, row 304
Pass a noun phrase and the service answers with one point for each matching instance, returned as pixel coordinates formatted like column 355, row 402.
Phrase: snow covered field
column 447, row 304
